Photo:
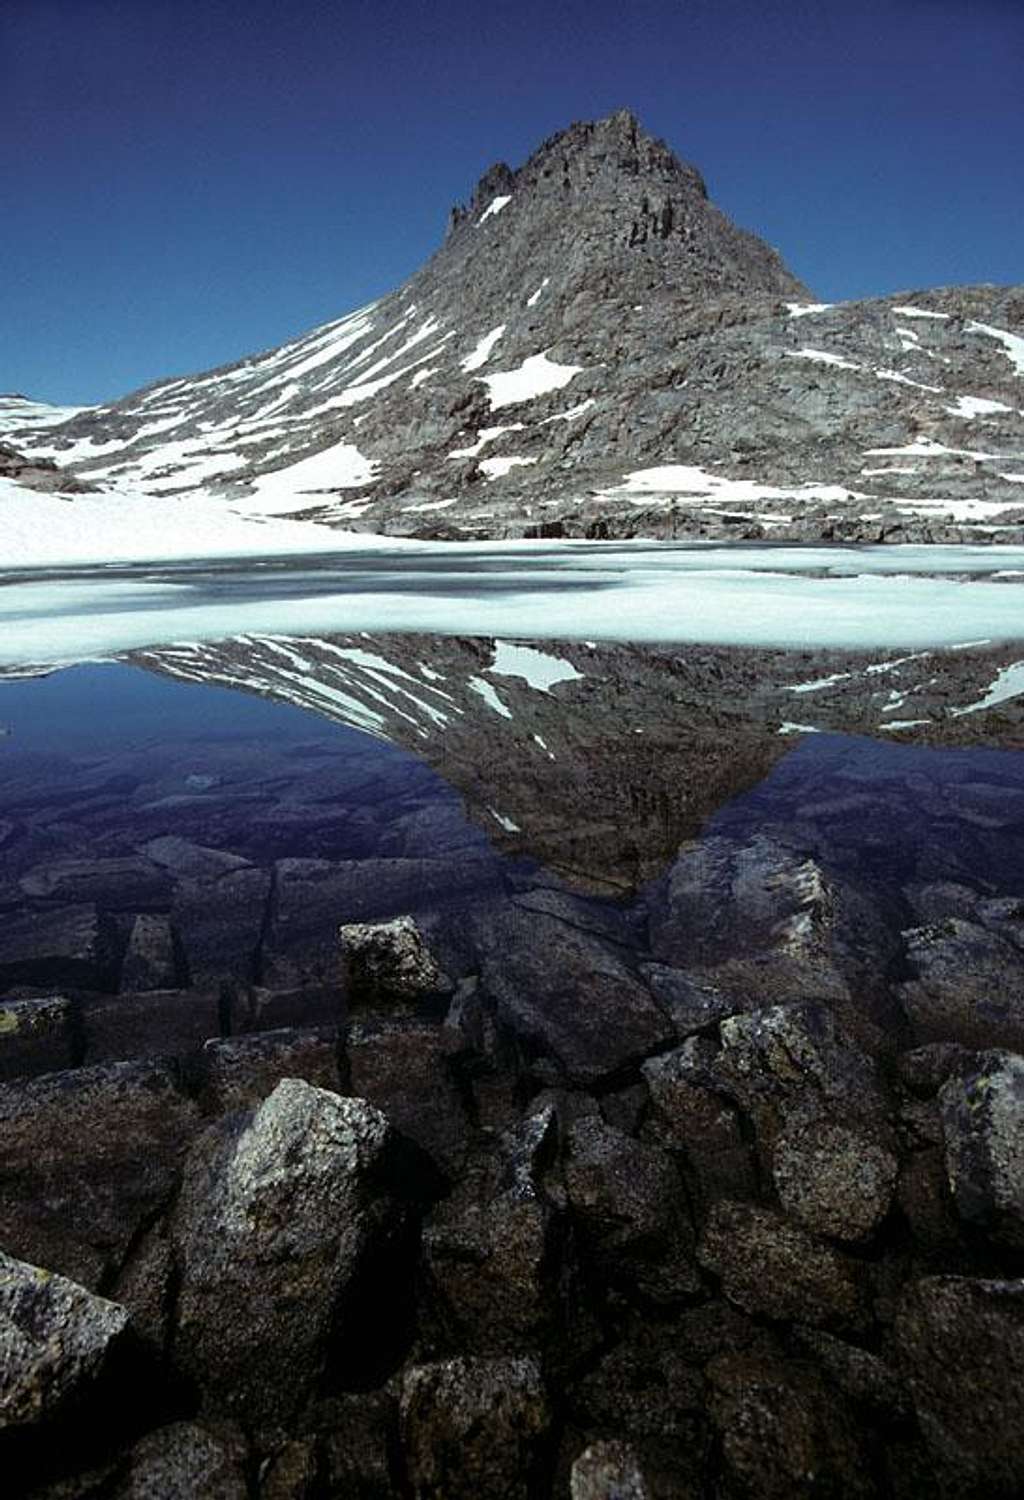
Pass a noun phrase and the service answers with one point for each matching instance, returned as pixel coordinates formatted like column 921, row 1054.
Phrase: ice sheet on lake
column 852, row 597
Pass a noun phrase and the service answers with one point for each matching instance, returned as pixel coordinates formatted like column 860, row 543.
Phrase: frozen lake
column 850, row 597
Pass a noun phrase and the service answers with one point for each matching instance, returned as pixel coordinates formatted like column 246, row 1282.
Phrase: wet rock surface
column 567, row 1196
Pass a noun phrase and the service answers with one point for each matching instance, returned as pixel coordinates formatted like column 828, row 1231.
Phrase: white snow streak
column 1011, row 342
column 494, row 207
column 482, row 353
column 536, row 376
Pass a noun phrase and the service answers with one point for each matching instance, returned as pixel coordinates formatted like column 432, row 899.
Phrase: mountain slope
column 597, row 350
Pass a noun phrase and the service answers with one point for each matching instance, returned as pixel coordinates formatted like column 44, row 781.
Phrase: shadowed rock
column 55, row 1338
column 983, row 1128
column 278, row 1209
column 474, row 1429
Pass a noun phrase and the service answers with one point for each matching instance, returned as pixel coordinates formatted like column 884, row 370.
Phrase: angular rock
column 186, row 1461
column 960, row 1345
column 608, row 1471
column 55, row 1338
column 693, row 1117
column 968, row 985
column 221, row 919
column 390, row 963
column 153, row 959
column 36, row 1036
column 568, row 996
column 498, row 1261
column 834, row 1180
column 474, row 1429
column 628, row 1201
column 783, row 1433
column 693, row 1004
column 861, row 1376
column 775, row 1269
column 278, row 1210
column 403, row 1067
column 360, row 1444
column 646, row 1389
column 66, row 946
column 260, row 1007
column 313, row 897
column 793, row 1063
column 157, row 1023
column 725, row 899
column 123, row 883
column 237, row 1072
column 184, row 860
column 983, row 1127
column 90, row 1156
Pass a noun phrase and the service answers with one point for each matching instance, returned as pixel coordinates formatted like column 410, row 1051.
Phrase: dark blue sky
column 184, row 182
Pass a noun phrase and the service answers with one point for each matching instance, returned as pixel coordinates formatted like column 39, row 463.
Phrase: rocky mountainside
column 596, row 350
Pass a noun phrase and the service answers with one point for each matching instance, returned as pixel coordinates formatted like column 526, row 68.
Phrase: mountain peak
column 595, row 157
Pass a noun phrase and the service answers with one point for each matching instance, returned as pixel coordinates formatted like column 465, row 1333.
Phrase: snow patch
column 970, row 407
column 1009, row 684
column 571, row 414
column 482, row 353
column 535, row 298
column 486, row 691
column 538, row 669
column 494, row 207
column 822, row 357
column 484, row 436
column 536, row 376
column 1011, row 342
column 339, row 467
column 497, row 468
column 506, row 823
column 919, row 312
column 805, row 309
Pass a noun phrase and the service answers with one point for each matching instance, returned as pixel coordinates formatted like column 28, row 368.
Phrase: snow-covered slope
column 597, row 350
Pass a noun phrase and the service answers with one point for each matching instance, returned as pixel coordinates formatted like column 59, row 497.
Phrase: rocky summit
column 595, row 350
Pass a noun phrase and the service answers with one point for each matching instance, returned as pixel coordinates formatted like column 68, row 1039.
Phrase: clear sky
column 187, row 181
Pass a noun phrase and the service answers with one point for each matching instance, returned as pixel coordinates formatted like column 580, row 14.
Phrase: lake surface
column 111, row 779
column 703, row 592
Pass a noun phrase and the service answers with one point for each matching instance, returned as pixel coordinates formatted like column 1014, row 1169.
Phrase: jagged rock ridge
column 596, row 349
